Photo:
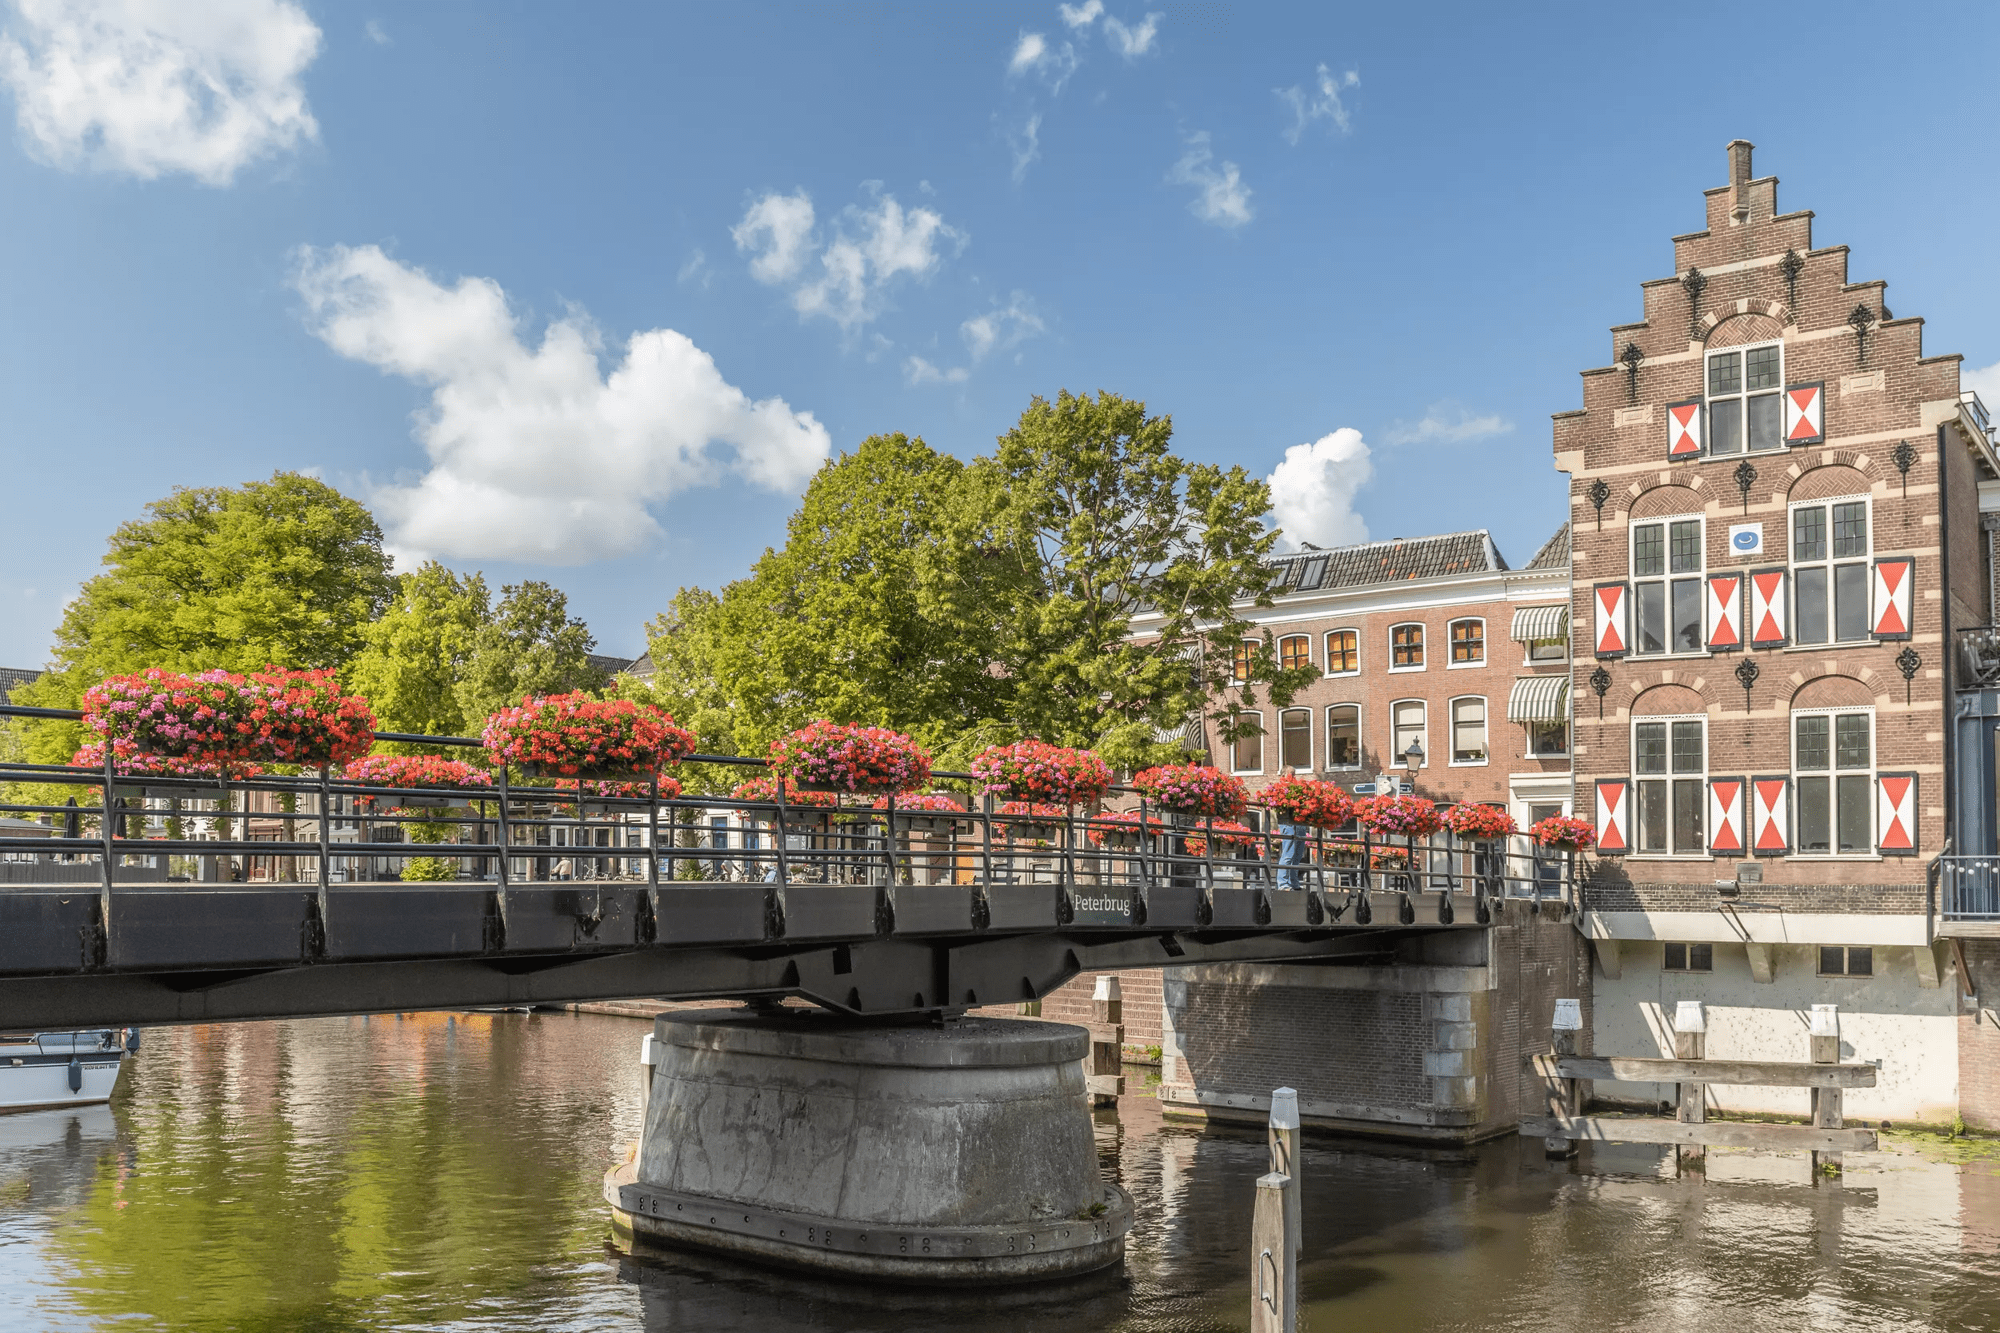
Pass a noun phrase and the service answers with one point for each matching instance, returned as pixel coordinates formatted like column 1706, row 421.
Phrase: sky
column 587, row 292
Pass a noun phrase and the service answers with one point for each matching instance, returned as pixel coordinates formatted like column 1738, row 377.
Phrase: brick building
column 1776, row 505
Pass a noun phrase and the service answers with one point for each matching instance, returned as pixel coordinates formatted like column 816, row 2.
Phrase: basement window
column 1689, row 958
column 1846, row 960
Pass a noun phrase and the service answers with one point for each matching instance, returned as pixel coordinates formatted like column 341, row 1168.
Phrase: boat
column 62, row 1068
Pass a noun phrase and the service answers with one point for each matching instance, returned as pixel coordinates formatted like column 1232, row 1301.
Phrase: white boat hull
column 35, row 1075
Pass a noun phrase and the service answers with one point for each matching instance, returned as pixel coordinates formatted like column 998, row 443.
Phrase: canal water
column 443, row 1172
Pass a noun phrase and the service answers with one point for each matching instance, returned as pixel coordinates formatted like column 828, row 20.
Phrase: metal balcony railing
column 1969, row 888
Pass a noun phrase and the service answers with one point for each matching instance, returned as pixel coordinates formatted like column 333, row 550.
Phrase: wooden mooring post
column 1691, row 1101
column 1283, row 1136
column 1106, row 1078
column 1824, row 1034
column 1564, row 1100
column 1274, row 1277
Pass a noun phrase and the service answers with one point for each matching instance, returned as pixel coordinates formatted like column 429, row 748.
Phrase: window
column 1406, row 724
column 1406, row 648
column 1548, row 738
column 1669, row 761
column 1468, row 642
column 1246, row 652
column 1246, row 753
column 1549, row 650
column 1343, row 736
column 1830, row 572
column 1833, row 760
column 1744, row 400
column 1468, row 731
column 1343, row 652
column 1295, row 738
column 1666, row 585
column 1689, row 958
column 1846, row 960
column 1294, row 651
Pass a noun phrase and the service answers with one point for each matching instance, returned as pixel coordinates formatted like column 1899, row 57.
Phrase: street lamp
column 1413, row 759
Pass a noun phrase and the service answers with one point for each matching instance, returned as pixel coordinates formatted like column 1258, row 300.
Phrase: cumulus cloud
column 1312, row 490
column 1443, row 423
column 535, row 453
column 1003, row 329
column 1323, row 103
column 1134, row 41
column 916, row 371
column 1026, row 146
column 1220, row 197
column 870, row 249
column 153, row 87
column 1035, row 54
column 375, row 33
column 1081, row 16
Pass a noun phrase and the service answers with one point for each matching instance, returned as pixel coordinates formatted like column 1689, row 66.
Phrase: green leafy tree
column 417, row 654
column 530, row 645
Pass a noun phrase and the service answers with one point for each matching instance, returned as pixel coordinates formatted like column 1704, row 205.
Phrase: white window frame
column 1279, row 647
column 1307, row 767
column 1699, row 777
column 1326, row 653
column 1360, row 732
column 1249, row 668
column 1483, row 655
column 1528, row 657
column 1865, row 560
column 1668, row 578
column 1569, row 739
column 1395, row 759
column 1263, row 738
column 1425, row 646
column 1868, row 799
column 1743, row 396
column 1451, row 727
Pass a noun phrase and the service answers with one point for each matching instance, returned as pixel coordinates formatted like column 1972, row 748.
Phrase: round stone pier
column 913, row 1152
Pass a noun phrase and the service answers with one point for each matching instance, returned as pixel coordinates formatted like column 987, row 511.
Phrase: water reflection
column 442, row 1172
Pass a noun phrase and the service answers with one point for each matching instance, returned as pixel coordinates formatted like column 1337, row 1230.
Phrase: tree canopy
column 531, row 644
column 416, row 655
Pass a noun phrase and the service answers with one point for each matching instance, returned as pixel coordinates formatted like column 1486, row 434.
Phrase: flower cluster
column 573, row 735
column 416, row 770
column 1380, row 856
column 301, row 717
column 670, row 788
column 1564, row 833
column 1404, row 816
column 1033, row 770
column 217, row 717
column 764, row 791
column 1122, row 824
column 1479, row 821
column 1228, row 833
column 827, row 756
column 1308, row 801
column 127, row 757
column 934, row 801
column 1193, row 789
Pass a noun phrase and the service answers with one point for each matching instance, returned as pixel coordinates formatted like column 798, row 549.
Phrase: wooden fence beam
column 1712, row 1134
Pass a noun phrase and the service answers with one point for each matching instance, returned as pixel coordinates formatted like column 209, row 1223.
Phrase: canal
column 443, row 1172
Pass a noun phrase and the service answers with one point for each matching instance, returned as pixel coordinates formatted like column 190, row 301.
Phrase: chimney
column 1739, row 178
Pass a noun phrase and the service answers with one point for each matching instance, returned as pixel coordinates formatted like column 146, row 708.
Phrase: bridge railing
column 317, row 828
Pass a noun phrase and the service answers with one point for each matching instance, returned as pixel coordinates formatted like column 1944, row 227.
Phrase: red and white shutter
column 1684, row 430
column 1769, row 609
column 1890, row 600
column 1896, row 814
column 1725, row 816
column 1770, row 816
column 1613, row 797
column 1805, row 413
column 1611, row 603
column 1724, row 606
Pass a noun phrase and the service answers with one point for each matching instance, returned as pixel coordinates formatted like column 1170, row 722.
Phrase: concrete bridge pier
column 929, row 1152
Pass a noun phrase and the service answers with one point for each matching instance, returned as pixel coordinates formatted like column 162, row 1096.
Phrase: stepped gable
column 1397, row 560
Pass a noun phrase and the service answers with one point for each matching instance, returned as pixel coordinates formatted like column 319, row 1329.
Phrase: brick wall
column 1140, row 987
column 1610, row 891
column 1979, row 1038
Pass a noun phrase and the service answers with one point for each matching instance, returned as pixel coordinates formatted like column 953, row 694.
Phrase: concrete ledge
column 1376, row 1119
column 1762, row 927
column 1404, row 978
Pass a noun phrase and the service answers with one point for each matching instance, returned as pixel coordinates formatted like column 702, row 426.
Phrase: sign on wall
column 1746, row 539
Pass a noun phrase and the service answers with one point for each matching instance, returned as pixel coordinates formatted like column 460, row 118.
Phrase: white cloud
column 1986, row 383
column 1026, row 146
column 1444, row 423
column 152, row 87
column 696, row 270
column 870, row 249
column 1081, row 16
column 535, row 453
column 777, row 229
column 1312, row 490
column 1221, row 197
column 1322, row 104
column 1134, row 41
column 375, row 33
column 1003, row 329
column 1029, row 51
column 1035, row 54
column 916, row 370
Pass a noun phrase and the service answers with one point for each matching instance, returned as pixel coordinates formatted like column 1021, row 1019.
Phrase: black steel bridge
column 270, row 896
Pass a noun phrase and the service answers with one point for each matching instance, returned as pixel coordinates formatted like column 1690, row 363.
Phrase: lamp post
column 1413, row 759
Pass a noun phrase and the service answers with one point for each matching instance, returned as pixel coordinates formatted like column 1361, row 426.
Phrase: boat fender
column 132, row 1040
column 75, row 1074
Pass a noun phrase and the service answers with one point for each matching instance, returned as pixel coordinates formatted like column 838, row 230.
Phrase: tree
column 417, row 654
column 287, row 572
column 1113, row 572
column 530, row 645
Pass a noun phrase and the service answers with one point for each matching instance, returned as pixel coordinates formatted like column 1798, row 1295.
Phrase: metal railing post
column 108, row 829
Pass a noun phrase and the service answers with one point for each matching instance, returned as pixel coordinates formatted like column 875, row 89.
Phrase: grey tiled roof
column 609, row 666
column 11, row 677
column 1395, row 561
column 1554, row 553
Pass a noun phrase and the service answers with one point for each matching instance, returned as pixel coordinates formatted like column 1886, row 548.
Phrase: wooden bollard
column 1562, row 1093
column 649, row 1056
column 1691, row 1043
column 1106, row 1078
column 1274, row 1277
column 1826, row 1108
column 1283, row 1136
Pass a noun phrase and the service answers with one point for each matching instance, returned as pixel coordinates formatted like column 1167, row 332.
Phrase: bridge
column 287, row 902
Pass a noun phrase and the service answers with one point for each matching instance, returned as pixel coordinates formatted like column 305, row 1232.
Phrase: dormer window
column 1746, row 400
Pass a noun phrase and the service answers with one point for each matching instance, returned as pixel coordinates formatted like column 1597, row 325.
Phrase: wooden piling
column 1274, row 1279
column 1283, row 1138
column 1826, row 1102
column 1564, row 1100
column 1691, row 1043
column 1106, row 1078
column 649, row 1055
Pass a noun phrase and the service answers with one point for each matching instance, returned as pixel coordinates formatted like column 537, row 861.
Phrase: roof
column 642, row 668
column 13, row 677
column 1554, row 553
column 1394, row 561
column 609, row 666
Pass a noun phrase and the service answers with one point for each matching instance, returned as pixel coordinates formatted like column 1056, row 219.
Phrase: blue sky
column 584, row 292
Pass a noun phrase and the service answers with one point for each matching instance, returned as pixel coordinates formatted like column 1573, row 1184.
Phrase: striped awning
column 1539, row 699
column 1541, row 624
